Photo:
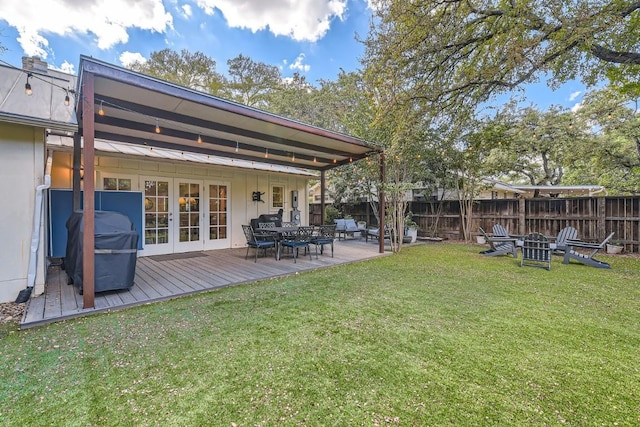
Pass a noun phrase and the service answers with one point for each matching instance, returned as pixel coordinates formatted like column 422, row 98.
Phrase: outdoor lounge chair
column 536, row 251
column 567, row 233
column 375, row 233
column 584, row 252
column 500, row 244
column 262, row 239
column 345, row 227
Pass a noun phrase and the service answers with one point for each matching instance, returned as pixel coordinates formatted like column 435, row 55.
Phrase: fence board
column 593, row 217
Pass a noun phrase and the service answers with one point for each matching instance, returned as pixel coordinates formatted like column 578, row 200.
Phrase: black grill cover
column 116, row 248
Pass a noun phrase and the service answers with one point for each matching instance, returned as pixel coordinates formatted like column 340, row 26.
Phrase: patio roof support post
column 77, row 165
column 381, row 203
column 88, row 241
column 322, row 190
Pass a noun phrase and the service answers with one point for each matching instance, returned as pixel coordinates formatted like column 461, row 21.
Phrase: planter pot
column 413, row 233
column 481, row 240
column 614, row 249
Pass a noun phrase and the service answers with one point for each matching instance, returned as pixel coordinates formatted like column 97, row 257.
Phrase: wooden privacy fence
column 593, row 217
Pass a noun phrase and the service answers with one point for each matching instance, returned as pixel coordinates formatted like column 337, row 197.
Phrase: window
column 277, row 197
column 116, row 184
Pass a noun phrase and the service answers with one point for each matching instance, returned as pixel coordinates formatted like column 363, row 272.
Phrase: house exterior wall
column 22, row 163
column 242, row 183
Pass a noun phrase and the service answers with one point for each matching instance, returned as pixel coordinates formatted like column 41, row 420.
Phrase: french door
column 183, row 215
column 158, row 215
column 217, row 216
column 188, row 218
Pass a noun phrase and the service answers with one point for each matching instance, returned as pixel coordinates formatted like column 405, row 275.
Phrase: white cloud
column 576, row 107
column 574, row 95
column 186, row 11
column 298, row 65
column 66, row 67
column 107, row 22
column 128, row 58
column 301, row 20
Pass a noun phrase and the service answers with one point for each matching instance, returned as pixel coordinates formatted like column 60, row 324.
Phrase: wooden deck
column 158, row 280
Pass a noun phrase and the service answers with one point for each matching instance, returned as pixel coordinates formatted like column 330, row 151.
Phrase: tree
column 612, row 159
column 193, row 70
column 459, row 53
column 295, row 98
column 251, row 82
column 532, row 147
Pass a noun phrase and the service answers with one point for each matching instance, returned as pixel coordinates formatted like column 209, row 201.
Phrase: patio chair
column 345, row 227
column 259, row 240
column 584, row 252
column 567, row 233
column 375, row 233
column 297, row 239
column 536, row 251
column 499, row 244
column 324, row 235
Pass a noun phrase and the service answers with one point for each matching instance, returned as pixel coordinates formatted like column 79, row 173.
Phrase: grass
column 437, row 335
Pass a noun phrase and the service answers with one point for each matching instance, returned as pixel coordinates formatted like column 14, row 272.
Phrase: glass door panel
column 188, row 230
column 217, row 236
column 157, row 216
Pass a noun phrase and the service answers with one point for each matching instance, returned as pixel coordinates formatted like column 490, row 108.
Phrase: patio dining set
column 537, row 249
column 289, row 237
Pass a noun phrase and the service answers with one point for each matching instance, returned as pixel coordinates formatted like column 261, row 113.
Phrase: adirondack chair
column 500, row 244
column 536, row 251
column 567, row 233
column 584, row 252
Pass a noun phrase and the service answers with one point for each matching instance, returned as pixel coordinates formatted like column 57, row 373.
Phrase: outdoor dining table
column 277, row 233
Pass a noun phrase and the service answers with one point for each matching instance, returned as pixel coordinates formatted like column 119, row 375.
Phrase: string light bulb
column 27, row 85
column 315, row 160
column 293, row 157
column 199, row 139
column 101, row 110
column 157, row 126
column 266, row 153
column 66, row 98
column 237, row 146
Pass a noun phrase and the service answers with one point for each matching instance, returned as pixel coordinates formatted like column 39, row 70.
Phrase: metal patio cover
column 136, row 106
column 116, row 104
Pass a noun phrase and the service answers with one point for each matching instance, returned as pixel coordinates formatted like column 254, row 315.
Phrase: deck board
column 162, row 280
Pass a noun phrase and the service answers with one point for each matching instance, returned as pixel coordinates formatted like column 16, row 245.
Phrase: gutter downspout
column 25, row 294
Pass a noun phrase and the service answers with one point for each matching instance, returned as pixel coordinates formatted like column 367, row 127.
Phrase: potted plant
column 615, row 247
column 410, row 228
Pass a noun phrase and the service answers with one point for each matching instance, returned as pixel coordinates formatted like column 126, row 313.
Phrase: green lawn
column 437, row 335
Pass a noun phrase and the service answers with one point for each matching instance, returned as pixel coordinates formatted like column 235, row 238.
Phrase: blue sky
column 313, row 37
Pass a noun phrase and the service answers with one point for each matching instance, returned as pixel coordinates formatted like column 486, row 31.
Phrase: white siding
column 22, row 162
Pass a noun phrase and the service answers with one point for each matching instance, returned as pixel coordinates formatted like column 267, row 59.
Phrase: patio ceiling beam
column 202, row 150
column 195, row 122
column 149, row 129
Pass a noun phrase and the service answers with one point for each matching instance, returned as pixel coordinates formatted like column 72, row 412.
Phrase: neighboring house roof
column 45, row 107
column 563, row 189
column 66, row 143
column 134, row 105
column 502, row 186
